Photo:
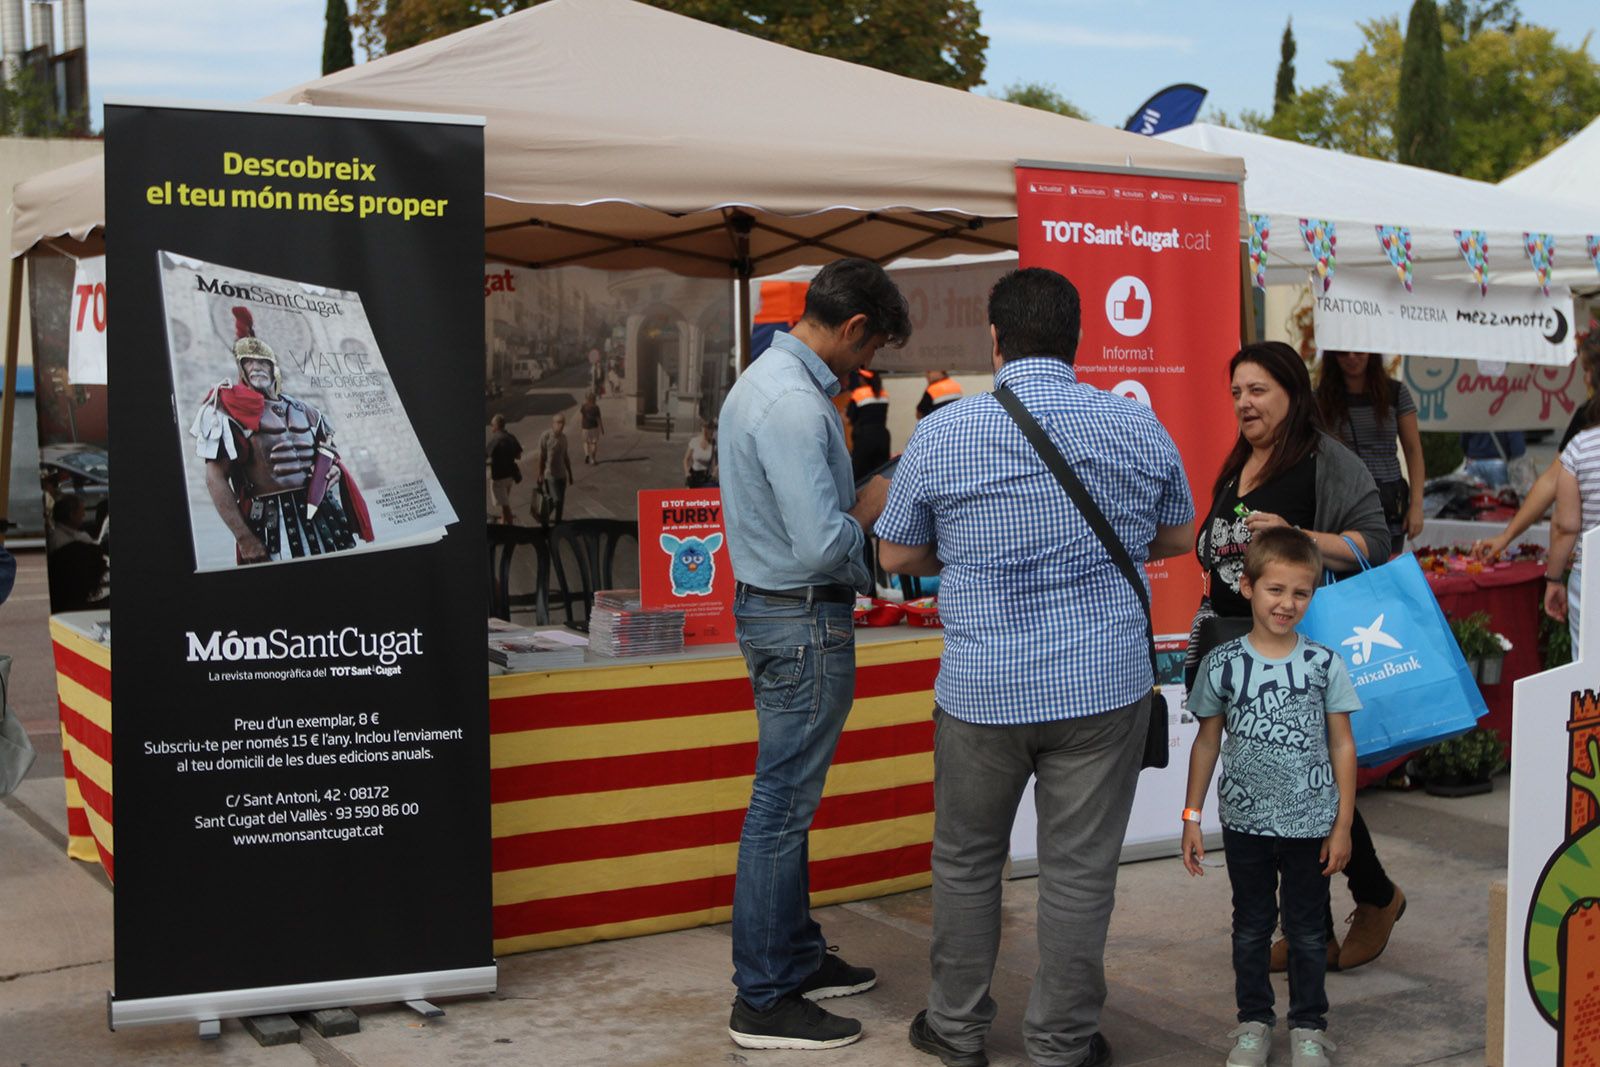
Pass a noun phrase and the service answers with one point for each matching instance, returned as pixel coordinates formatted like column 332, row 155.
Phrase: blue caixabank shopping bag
column 1414, row 684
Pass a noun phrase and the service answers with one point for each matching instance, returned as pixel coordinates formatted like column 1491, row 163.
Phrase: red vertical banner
column 1156, row 263
column 683, row 561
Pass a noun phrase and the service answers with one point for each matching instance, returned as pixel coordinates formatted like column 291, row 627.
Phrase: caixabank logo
column 1366, row 645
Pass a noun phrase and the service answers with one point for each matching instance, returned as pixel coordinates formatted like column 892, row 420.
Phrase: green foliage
column 938, row 42
column 1422, row 120
column 1283, row 88
column 1475, row 756
column 1475, row 636
column 28, row 109
column 1441, row 453
column 1555, row 642
column 1514, row 94
column 1042, row 96
column 337, row 48
column 1468, row 19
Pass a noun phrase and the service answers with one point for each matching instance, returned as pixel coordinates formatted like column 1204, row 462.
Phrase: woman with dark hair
column 1368, row 411
column 1284, row 470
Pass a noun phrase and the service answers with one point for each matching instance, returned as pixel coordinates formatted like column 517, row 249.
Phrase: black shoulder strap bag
column 1156, row 748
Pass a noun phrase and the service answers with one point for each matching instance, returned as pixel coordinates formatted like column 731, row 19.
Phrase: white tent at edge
column 1570, row 172
column 1288, row 181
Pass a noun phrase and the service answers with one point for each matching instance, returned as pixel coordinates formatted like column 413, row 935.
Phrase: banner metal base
column 209, row 1008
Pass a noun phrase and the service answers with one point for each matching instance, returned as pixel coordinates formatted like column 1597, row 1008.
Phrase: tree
column 1042, row 96
column 28, row 108
column 1468, row 19
column 1422, row 120
column 337, row 50
column 1283, row 89
column 939, row 42
column 1514, row 95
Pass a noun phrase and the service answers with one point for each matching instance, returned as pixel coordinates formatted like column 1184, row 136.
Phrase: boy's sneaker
column 1310, row 1048
column 836, row 978
column 792, row 1022
column 1252, row 1045
column 926, row 1040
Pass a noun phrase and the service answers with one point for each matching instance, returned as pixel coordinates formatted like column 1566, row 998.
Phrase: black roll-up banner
column 300, row 743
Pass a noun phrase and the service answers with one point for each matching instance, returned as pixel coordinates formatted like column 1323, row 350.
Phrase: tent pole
column 1247, row 297
column 741, row 310
column 739, row 226
column 8, row 406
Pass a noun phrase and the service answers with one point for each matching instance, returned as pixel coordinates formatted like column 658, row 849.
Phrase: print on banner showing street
column 296, row 445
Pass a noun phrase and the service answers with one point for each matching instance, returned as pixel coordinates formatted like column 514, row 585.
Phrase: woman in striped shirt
column 1577, row 501
column 1368, row 411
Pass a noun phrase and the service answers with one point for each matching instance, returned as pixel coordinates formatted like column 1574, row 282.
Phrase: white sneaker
column 1252, row 1045
column 1310, row 1048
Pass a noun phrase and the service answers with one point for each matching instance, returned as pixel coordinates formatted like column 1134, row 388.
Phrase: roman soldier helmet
column 249, row 346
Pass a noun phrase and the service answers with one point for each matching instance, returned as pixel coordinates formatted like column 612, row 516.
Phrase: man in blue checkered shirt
column 1046, row 669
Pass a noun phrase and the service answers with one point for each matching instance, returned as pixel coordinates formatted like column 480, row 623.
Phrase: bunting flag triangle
column 1322, row 242
column 1396, row 243
column 1260, row 231
column 1591, row 245
column 1541, row 253
column 1475, row 250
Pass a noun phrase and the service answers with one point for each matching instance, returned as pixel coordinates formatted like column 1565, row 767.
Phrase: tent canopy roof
column 1290, row 181
column 620, row 136
column 1570, row 172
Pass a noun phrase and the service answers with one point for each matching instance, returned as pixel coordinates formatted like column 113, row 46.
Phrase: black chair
column 503, row 543
column 590, row 547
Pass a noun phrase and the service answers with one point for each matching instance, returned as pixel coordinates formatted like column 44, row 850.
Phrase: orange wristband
column 1191, row 815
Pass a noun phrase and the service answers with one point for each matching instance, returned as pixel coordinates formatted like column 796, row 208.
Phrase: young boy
column 1287, row 792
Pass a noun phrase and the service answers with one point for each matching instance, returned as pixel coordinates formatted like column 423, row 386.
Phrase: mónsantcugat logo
column 387, row 647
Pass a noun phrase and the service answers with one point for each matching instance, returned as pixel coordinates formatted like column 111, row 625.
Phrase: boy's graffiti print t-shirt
column 1277, row 780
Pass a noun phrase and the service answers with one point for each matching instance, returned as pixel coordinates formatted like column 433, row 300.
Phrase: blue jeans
column 1262, row 870
column 802, row 663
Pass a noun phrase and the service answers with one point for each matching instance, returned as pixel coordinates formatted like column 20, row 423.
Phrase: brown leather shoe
column 1370, row 927
column 1280, row 955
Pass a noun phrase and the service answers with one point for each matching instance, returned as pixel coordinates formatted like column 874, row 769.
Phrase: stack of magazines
column 619, row 626
column 535, row 650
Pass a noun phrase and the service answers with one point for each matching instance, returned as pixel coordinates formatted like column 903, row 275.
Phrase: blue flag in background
column 1172, row 107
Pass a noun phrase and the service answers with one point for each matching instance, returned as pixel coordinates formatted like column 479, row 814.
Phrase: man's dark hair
column 846, row 288
column 66, row 509
column 1035, row 312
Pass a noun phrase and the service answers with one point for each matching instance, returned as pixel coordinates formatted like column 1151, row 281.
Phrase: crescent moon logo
column 1561, row 328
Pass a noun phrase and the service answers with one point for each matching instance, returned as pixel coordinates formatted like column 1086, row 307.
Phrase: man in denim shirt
column 795, row 535
column 1045, row 670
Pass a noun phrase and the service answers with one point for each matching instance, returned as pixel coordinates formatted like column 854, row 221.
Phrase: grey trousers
column 1086, row 770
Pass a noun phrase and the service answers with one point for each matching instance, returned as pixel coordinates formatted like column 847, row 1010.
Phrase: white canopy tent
column 622, row 136
column 1570, row 172
column 1289, row 181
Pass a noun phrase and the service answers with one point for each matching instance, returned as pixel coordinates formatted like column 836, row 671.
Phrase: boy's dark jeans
column 1262, row 870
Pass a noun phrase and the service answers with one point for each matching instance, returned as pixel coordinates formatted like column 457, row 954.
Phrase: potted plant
column 1462, row 766
column 1483, row 649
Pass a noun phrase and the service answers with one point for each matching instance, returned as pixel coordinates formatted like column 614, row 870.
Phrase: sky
column 1106, row 58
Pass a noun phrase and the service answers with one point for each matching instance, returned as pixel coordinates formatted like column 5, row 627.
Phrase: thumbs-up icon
column 1128, row 305
column 1131, row 308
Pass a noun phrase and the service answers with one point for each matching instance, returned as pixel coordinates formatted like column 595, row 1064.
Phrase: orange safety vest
column 943, row 391
column 863, row 395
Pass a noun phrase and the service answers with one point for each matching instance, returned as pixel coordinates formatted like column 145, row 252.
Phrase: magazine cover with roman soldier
column 296, row 444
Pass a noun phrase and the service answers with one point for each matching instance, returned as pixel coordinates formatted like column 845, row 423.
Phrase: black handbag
column 1157, row 750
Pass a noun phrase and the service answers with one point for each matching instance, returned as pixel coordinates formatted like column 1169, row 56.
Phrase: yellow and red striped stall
column 83, row 691
column 618, row 790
